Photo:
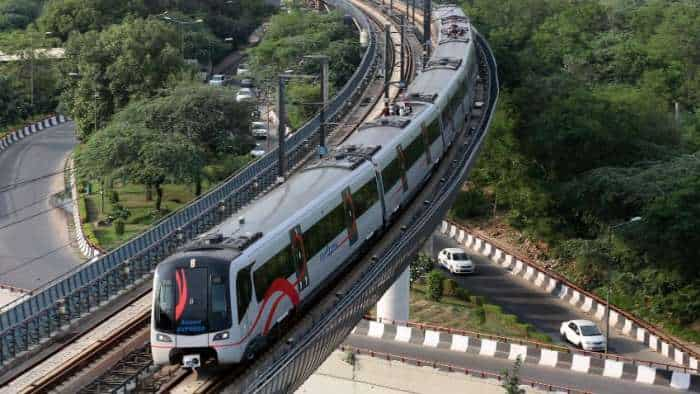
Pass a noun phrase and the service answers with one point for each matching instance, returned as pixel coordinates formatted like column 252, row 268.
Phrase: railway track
column 189, row 382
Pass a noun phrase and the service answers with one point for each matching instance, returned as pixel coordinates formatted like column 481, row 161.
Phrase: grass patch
column 463, row 314
column 142, row 211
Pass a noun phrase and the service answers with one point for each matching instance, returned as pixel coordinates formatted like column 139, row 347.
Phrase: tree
column 433, row 289
column 18, row 14
column 133, row 59
column 511, row 378
column 420, row 266
column 140, row 155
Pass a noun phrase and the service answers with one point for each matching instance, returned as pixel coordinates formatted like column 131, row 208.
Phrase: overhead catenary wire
column 13, row 186
column 30, row 217
column 26, row 263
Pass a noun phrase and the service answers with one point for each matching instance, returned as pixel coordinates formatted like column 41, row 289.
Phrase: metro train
column 220, row 298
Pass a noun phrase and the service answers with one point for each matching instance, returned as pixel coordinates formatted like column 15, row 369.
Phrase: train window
column 279, row 266
column 414, row 151
column 218, row 304
column 165, row 313
column 434, row 131
column 365, row 197
column 324, row 231
column 244, row 291
column 391, row 174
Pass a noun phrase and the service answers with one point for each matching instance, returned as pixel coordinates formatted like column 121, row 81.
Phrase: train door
column 299, row 258
column 244, row 297
column 350, row 218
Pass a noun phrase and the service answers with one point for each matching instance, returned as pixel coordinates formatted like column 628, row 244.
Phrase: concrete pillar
column 394, row 303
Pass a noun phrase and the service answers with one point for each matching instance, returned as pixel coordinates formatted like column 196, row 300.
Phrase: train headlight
column 221, row 336
column 163, row 338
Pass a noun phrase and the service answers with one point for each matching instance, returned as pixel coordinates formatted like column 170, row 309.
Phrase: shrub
column 463, row 294
column 434, row 285
column 82, row 210
column 479, row 301
column 119, row 227
column 470, row 203
column 449, row 288
column 480, row 314
column 114, row 197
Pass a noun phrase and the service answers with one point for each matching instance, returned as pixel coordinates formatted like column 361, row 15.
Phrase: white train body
column 220, row 297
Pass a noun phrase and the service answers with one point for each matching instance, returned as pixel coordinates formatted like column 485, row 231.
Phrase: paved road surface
column 554, row 376
column 34, row 251
column 531, row 304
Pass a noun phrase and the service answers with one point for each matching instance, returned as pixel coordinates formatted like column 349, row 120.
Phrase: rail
column 300, row 361
column 451, row 368
column 28, row 320
column 562, row 280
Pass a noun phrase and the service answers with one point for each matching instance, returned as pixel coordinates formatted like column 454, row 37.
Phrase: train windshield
column 192, row 301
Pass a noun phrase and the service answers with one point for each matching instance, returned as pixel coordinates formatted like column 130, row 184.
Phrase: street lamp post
column 281, row 121
column 180, row 24
column 322, row 149
column 32, row 54
column 607, row 295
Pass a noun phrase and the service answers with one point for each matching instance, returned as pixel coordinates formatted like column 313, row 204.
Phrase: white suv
column 456, row 261
column 583, row 333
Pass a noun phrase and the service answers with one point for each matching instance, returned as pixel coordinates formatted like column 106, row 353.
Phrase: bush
column 479, row 301
column 463, row 294
column 449, row 288
column 82, row 210
column 470, row 203
column 480, row 314
column 114, row 197
column 119, row 227
column 434, row 285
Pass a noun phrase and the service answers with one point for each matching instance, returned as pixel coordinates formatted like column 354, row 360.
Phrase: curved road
column 36, row 247
column 531, row 304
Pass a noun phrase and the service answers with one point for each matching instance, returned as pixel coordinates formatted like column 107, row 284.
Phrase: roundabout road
column 35, row 247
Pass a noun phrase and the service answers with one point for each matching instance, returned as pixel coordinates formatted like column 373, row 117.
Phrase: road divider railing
column 559, row 286
column 86, row 247
column 452, row 368
column 17, row 135
column 27, row 321
column 531, row 352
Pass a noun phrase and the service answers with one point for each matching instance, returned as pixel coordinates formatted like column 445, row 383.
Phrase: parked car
column 259, row 129
column 247, row 83
column 583, row 333
column 244, row 94
column 242, row 69
column 218, row 80
column 456, row 261
column 257, row 151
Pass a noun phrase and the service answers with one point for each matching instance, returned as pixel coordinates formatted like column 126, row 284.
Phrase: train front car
column 191, row 318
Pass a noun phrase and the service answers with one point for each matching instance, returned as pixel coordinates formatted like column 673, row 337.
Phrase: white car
column 259, row 129
column 456, row 261
column 244, row 94
column 583, row 333
column 218, row 80
column 257, row 151
column 242, row 70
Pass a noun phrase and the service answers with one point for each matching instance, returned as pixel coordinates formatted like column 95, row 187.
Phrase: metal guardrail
column 300, row 361
column 452, row 368
column 43, row 311
column 562, row 280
